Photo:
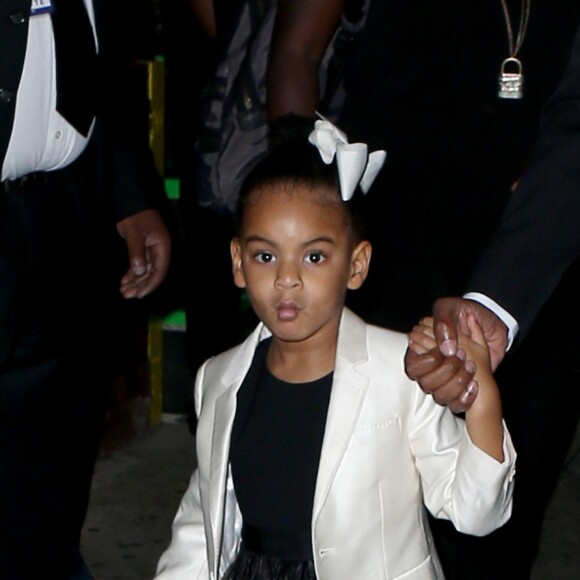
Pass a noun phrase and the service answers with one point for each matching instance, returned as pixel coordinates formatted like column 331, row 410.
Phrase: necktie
column 76, row 64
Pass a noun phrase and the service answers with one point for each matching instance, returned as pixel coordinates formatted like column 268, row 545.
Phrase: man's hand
column 443, row 371
column 448, row 378
column 450, row 318
column 149, row 249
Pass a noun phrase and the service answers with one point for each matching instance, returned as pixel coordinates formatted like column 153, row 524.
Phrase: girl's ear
column 360, row 260
column 237, row 270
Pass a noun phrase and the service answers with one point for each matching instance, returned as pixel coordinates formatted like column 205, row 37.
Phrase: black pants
column 51, row 401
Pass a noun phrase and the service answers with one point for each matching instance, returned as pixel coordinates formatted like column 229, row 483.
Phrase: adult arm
column 127, row 171
column 149, row 251
column 138, row 194
column 205, row 14
column 302, row 31
column 539, row 234
column 538, row 238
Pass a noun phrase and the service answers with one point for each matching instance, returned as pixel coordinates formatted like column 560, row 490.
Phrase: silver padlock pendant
column 511, row 84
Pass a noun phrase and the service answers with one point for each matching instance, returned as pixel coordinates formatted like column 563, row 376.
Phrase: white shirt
column 510, row 322
column 41, row 140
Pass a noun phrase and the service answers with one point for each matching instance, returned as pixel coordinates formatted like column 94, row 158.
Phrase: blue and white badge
column 41, row 7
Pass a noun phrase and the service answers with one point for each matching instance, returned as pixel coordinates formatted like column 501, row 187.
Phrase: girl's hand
column 422, row 338
column 475, row 345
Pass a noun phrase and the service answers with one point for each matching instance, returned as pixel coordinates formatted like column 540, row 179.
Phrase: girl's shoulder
column 387, row 335
column 231, row 365
column 391, row 343
column 390, row 391
column 361, row 342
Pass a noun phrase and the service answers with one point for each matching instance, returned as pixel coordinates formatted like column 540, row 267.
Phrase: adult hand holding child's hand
column 442, row 369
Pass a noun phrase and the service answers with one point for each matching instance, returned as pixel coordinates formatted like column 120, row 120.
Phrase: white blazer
column 388, row 450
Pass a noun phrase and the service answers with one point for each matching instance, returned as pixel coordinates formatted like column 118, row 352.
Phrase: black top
column 275, row 450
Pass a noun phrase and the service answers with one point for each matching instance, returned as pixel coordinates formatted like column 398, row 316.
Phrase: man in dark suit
column 73, row 158
column 537, row 242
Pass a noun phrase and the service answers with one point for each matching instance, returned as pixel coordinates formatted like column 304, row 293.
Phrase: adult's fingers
column 446, row 315
column 448, row 379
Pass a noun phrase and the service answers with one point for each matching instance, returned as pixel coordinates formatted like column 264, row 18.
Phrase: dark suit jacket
column 118, row 152
column 539, row 235
column 454, row 148
column 117, row 168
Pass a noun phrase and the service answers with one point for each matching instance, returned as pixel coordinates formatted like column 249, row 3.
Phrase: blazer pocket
column 425, row 569
column 377, row 434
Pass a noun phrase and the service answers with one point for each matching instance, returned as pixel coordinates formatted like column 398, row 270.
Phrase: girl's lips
column 287, row 311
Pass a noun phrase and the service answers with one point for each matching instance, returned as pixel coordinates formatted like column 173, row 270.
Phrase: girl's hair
column 296, row 162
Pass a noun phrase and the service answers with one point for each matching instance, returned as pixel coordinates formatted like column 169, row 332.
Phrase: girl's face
column 296, row 258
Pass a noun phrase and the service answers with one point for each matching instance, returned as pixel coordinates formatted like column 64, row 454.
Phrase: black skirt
column 253, row 566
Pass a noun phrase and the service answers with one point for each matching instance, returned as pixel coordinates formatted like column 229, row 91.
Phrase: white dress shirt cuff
column 510, row 322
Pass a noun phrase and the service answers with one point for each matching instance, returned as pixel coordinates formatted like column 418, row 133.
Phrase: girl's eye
column 264, row 257
column 316, row 257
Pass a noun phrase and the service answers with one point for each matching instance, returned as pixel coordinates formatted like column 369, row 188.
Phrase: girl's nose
column 288, row 276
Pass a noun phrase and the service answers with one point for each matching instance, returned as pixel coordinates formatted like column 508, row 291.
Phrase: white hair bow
column 355, row 165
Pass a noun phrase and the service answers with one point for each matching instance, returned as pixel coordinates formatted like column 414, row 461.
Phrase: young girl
column 316, row 454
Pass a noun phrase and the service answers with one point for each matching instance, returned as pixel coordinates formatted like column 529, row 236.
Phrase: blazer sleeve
column 186, row 556
column 539, row 234
column 460, row 482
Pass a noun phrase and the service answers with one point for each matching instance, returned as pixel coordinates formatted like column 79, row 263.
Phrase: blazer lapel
column 224, row 414
column 225, row 409
column 97, row 13
column 349, row 389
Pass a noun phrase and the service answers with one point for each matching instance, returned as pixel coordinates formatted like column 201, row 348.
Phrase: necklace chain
column 511, row 78
column 522, row 28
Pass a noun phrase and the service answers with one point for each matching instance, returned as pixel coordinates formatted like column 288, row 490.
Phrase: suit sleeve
column 460, row 482
column 130, row 176
column 186, row 556
column 539, row 234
